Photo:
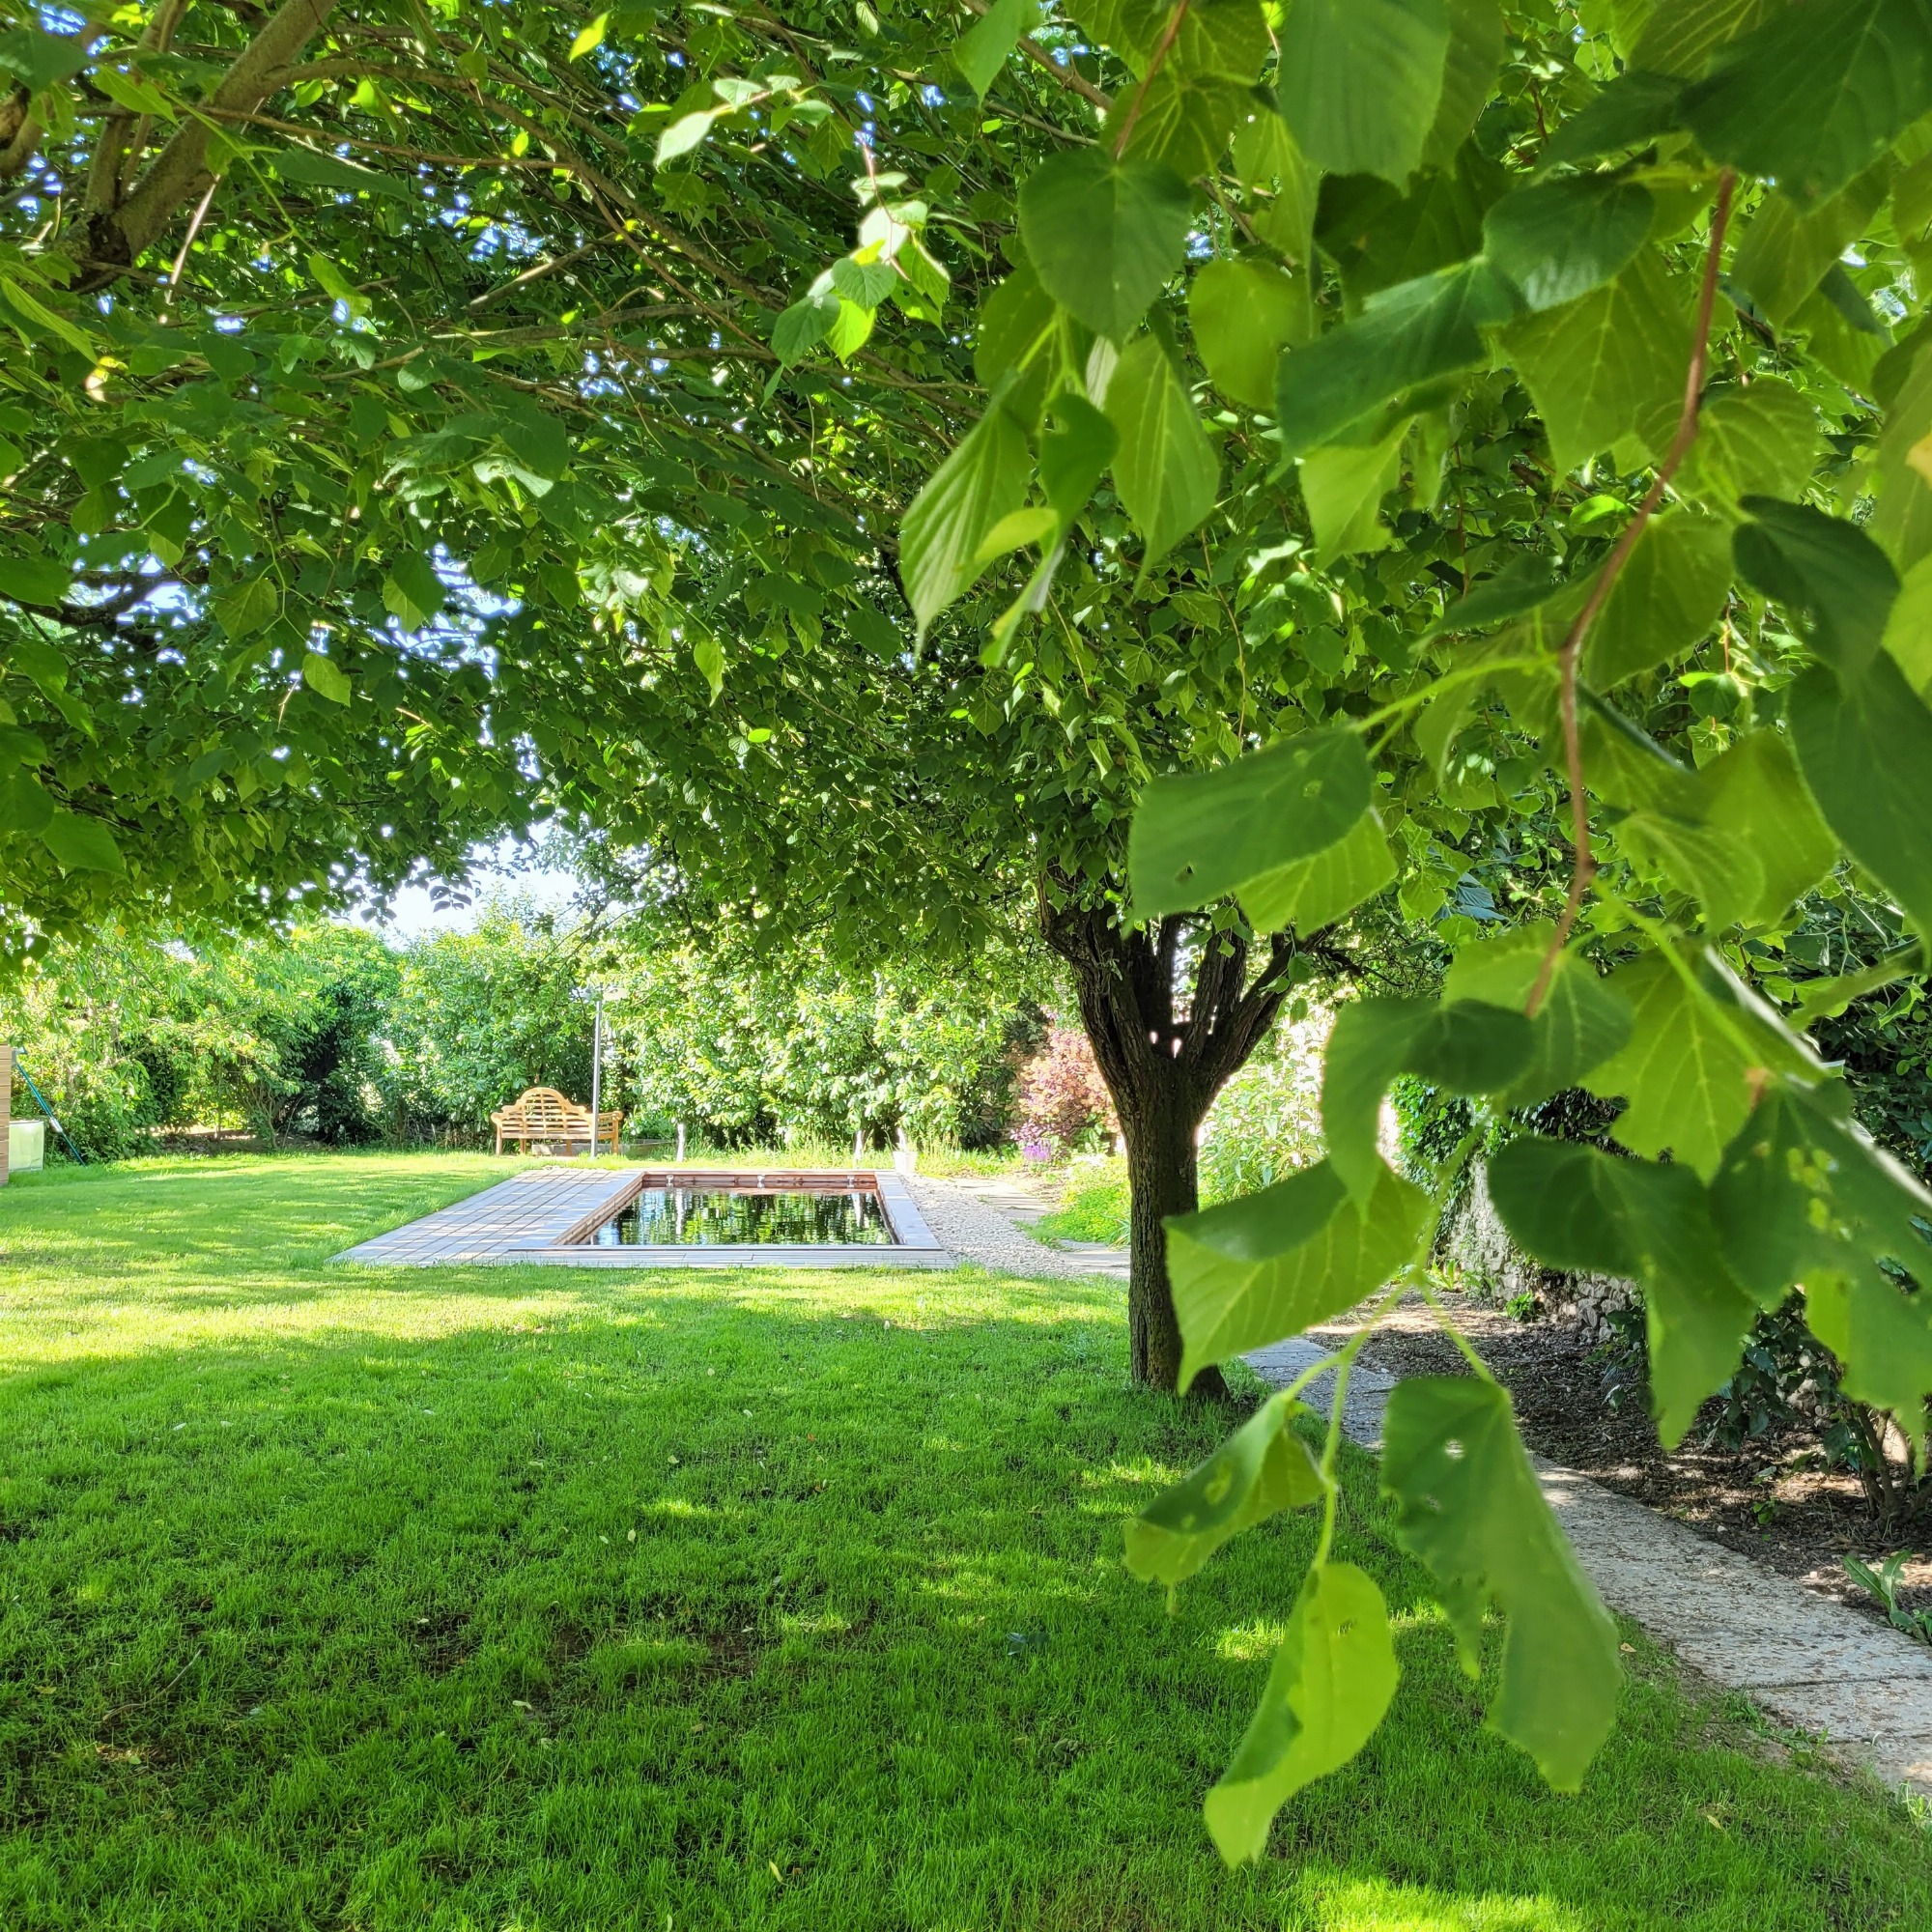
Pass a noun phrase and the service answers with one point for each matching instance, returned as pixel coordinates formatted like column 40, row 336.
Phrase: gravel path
column 967, row 1222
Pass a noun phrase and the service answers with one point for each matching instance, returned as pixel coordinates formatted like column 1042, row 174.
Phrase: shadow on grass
column 465, row 1600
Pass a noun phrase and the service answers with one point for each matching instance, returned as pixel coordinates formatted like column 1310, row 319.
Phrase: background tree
column 1410, row 428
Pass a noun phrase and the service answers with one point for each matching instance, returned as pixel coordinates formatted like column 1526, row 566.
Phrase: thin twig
column 1582, row 866
column 188, row 242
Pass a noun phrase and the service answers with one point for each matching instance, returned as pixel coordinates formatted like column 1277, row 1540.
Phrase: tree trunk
column 1163, row 1061
column 1162, row 1179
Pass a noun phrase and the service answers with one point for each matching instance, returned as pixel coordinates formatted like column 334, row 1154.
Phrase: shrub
column 1062, row 1098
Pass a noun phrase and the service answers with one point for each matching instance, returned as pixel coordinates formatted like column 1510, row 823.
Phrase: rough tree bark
column 119, row 219
column 1164, row 1058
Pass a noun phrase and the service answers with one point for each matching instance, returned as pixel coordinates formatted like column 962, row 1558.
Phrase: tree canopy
column 1462, row 454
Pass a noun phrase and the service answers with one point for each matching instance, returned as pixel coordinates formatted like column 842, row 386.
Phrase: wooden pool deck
column 546, row 1216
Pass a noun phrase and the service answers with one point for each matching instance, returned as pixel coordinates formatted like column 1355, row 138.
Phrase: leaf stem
column 1410, row 699
column 1582, row 864
column 1168, row 35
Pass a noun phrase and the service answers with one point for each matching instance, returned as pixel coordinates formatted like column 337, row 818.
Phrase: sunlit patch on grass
column 1253, row 1642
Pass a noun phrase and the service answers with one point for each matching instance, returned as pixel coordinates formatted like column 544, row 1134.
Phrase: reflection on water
column 685, row 1217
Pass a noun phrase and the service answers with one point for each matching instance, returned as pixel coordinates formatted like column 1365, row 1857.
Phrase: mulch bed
column 1773, row 1501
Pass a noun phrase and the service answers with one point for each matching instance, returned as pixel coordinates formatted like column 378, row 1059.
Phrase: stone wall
column 1494, row 1268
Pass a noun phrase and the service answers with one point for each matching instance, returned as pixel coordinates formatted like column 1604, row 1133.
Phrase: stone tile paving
column 1805, row 1662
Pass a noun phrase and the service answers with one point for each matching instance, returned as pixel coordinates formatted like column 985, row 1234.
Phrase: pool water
column 713, row 1217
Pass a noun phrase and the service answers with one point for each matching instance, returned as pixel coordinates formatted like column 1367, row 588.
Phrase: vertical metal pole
column 596, row 1073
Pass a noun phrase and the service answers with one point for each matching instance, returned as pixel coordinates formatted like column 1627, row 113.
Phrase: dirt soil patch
column 1773, row 1500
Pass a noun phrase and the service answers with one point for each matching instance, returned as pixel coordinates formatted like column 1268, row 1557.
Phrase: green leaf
column 1785, row 252
column 1332, row 1680
column 1467, row 1045
column 318, row 170
column 1469, row 1508
column 1344, row 486
column 326, row 678
column 1817, row 93
column 1680, row 38
column 1074, row 452
column 589, row 37
column 1228, row 39
column 1558, row 239
column 1104, row 237
column 1903, row 520
column 687, row 133
column 1165, row 469
column 24, row 803
column 1908, row 627
column 1200, row 835
column 1261, row 1469
column 1315, row 892
column 1403, row 336
column 1761, row 804
column 708, row 655
column 35, row 580
column 948, row 520
column 1476, row 41
column 1378, row 236
column 984, row 48
column 865, row 283
column 1012, row 322
column 1360, row 80
column 1634, row 108
column 802, row 327
column 413, row 593
column 1723, row 878
column 1668, row 599
column 1805, row 1190
column 1241, row 314
column 1694, row 1064
column 1181, row 118
column 244, row 608
column 1600, row 368
column 1017, row 529
column 1827, row 998
column 1575, row 1207
column 1272, row 1263
column 1759, row 441
column 333, row 281
column 1581, row 1022
column 1825, row 571
column 1864, row 745
column 1883, row 1337
column 43, row 317
column 81, row 844
column 43, row 60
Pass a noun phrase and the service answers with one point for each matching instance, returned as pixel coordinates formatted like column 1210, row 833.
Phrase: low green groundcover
column 528, row 1599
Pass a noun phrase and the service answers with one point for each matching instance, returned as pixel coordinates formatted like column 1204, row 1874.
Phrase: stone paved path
column 1806, row 1662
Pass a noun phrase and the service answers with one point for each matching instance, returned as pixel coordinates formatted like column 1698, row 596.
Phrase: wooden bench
column 542, row 1115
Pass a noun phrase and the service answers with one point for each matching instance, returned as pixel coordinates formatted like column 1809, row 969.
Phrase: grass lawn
column 531, row 1601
